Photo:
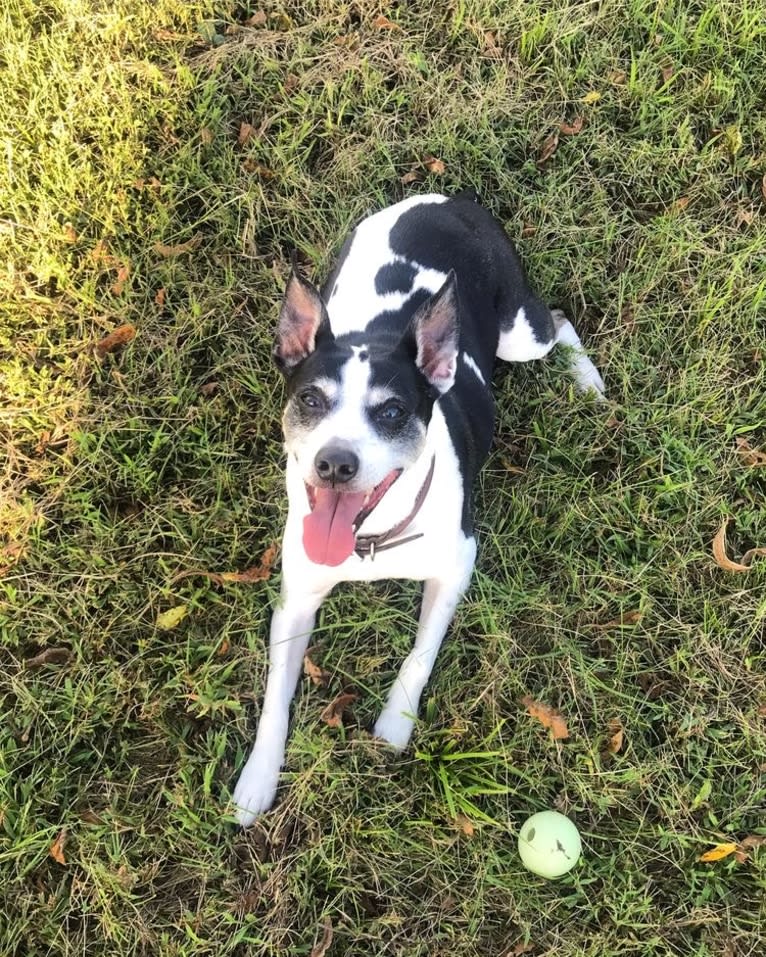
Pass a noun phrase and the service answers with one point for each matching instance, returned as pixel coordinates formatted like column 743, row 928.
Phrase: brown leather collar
column 370, row 544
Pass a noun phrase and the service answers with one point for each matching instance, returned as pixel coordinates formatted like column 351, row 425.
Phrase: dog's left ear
column 436, row 331
column 302, row 315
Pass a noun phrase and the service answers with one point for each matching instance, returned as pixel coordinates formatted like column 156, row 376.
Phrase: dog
column 388, row 419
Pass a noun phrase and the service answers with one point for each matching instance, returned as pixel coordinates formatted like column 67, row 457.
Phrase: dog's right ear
column 302, row 315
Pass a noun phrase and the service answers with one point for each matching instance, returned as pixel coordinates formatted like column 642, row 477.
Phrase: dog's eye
column 391, row 412
column 311, row 399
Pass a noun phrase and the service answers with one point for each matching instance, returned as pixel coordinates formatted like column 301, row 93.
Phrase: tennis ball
column 549, row 844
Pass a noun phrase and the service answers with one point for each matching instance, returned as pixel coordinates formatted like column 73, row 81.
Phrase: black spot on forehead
column 394, row 277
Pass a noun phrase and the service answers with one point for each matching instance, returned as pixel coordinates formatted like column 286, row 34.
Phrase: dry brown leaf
column 49, row 656
column 119, row 337
column 70, row 233
column 291, row 82
column 258, row 19
column 518, row 949
column 717, row 853
column 547, row 150
column 89, row 816
column 320, row 949
column 333, row 713
column 122, row 277
column 573, row 128
column 168, row 252
column 383, row 23
column 547, row 717
column 258, row 573
column 56, row 850
column 667, row 71
column 434, row 165
column 265, row 172
column 629, row 618
column 528, row 229
column 616, row 737
column 412, row 177
column 318, row 675
column 491, row 46
column 209, row 389
column 246, row 130
column 465, row 825
column 159, row 299
column 679, row 204
column 750, row 456
column 723, row 560
column 617, row 77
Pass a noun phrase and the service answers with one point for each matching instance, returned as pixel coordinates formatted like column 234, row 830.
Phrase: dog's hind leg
column 291, row 627
column 440, row 599
column 534, row 330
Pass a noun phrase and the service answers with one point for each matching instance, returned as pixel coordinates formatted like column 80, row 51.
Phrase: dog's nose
column 336, row 464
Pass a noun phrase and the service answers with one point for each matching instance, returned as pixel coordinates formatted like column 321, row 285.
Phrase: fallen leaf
column 717, row 853
column 745, row 216
column 49, row 656
column 547, row 150
column 753, row 840
column 257, row 573
column 122, row 277
column 333, row 713
column 723, row 560
column 318, row 675
column 89, row 816
column 291, row 82
column 258, row 19
column 167, row 252
column 491, row 45
column 593, row 97
column 679, row 204
column 573, row 128
column 250, row 166
column 464, row 825
column 70, row 233
column 616, row 737
column 224, row 648
column 412, row 177
column 383, row 23
column 320, row 949
column 119, row 337
column 547, row 717
column 56, row 850
column 617, row 77
column 245, row 133
column 159, row 299
column 434, row 165
column 209, row 389
column 667, row 71
column 749, row 455
column 206, row 136
column 518, row 949
column 172, row 617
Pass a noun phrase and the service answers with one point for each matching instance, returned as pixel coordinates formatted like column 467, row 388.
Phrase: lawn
column 160, row 161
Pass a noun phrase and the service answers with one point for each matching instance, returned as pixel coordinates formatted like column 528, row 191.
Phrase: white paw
column 395, row 727
column 587, row 376
column 256, row 788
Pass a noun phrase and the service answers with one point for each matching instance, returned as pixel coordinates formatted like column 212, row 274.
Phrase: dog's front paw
column 255, row 790
column 395, row 728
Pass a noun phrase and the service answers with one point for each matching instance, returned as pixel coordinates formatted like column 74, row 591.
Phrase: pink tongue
column 328, row 534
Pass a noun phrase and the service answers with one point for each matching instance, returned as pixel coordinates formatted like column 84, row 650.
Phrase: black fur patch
column 394, row 277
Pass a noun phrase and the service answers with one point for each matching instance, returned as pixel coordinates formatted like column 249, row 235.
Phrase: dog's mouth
column 329, row 530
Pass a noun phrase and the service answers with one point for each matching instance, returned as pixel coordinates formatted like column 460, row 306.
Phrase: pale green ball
column 549, row 844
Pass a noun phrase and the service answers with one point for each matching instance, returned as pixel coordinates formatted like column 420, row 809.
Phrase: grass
column 596, row 591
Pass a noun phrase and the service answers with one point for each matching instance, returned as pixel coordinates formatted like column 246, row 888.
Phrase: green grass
column 595, row 590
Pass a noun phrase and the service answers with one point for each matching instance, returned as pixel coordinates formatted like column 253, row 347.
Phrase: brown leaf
column 168, row 252
column 89, row 816
column 122, row 277
column 528, row 229
column 753, row 840
column 679, row 204
column 748, row 455
column 70, row 233
column 412, row 177
column 717, row 853
column 573, row 128
column 258, row 19
column 250, row 166
column 49, row 656
column 159, row 299
column 56, row 850
column 291, row 82
column 617, row 77
column 616, row 736
column 119, row 337
column 333, row 713
column 206, row 136
column 491, row 46
column 320, row 949
column 245, row 133
column 464, row 825
column 209, row 389
column 547, row 717
column 434, row 165
column 723, row 560
column 629, row 618
column 667, row 71
column 318, row 675
column 518, row 949
column 383, row 23
column 224, row 648
column 547, row 150
column 257, row 573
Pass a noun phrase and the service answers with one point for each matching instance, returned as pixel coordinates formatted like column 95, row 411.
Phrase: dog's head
column 358, row 406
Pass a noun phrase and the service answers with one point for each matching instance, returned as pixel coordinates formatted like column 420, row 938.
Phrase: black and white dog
column 388, row 420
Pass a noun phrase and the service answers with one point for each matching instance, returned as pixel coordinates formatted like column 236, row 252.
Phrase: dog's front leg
column 291, row 627
column 440, row 599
